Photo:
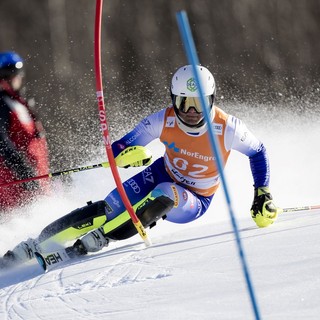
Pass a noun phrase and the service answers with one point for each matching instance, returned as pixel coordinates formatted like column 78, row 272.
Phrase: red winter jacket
column 23, row 150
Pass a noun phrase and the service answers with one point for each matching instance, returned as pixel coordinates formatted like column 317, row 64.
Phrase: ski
column 49, row 260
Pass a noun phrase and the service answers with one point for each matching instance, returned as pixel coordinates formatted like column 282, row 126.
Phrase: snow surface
column 191, row 271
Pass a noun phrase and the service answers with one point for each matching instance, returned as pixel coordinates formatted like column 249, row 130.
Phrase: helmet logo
column 191, row 85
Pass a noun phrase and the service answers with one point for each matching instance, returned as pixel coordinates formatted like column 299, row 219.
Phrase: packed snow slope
column 191, row 271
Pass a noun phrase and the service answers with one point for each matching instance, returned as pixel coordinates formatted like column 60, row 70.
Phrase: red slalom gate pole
column 104, row 125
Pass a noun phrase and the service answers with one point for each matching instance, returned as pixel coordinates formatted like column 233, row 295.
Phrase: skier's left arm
column 240, row 138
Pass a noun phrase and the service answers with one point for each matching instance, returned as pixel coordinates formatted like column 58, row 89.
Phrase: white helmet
column 183, row 86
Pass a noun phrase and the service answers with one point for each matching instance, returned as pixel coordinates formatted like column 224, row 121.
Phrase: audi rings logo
column 134, row 186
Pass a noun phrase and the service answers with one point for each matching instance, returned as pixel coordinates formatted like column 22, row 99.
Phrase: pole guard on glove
column 135, row 156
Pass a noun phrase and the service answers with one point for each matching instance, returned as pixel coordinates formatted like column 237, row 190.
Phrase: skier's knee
column 187, row 206
column 149, row 210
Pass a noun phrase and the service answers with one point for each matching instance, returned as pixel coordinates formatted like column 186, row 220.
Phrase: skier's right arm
column 146, row 131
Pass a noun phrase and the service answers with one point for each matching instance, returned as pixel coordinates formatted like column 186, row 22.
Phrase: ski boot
column 21, row 253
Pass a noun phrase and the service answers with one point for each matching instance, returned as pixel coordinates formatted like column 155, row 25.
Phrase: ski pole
column 303, row 208
column 56, row 174
column 104, row 125
column 124, row 159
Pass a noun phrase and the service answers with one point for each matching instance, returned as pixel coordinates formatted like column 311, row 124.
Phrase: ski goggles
column 184, row 104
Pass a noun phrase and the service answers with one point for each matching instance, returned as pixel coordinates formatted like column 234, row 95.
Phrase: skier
column 178, row 186
column 23, row 146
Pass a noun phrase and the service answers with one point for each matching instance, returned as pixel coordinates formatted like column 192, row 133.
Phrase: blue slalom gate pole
column 193, row 60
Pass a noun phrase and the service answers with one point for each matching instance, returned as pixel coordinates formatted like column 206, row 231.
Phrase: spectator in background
column 23, row 146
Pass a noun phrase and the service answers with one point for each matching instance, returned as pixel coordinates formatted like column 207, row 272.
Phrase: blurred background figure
column 23, row 145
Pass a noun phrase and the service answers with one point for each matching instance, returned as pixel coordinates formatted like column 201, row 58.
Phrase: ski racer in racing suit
column 185, row 179
column 23, row 146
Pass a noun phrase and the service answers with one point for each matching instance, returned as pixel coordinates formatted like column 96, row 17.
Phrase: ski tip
column 41, row 261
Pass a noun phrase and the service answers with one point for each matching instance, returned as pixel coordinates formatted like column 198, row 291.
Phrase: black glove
column 263, row 211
